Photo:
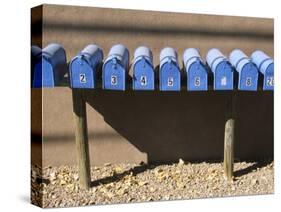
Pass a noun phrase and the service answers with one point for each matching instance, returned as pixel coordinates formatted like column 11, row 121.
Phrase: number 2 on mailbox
column 270, row 81
column 82, row 78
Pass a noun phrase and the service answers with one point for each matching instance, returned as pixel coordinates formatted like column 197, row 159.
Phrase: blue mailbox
column 115, row 68
column 265, row 65
column 197, row 75
column 221, row 68
column 51, row 67
column 84, row 67
column 143, row 73
column 169, row 71
column 36, row 55
column 247, row 70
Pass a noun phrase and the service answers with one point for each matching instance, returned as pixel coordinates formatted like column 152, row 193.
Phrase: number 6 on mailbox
column 197, row 76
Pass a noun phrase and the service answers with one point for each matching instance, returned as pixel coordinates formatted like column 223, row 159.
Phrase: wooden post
column 229, row 138
column 228, row 149
column 81, row 138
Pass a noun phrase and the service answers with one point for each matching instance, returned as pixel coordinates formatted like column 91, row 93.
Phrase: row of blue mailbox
column 83, row 69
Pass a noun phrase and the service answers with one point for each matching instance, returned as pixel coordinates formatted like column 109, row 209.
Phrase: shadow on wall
column 189, row 125
column 129, row 29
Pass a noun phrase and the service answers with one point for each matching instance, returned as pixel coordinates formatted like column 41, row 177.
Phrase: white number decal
column 170, row 81
column 223, row 81
column 143, row 80
column 248, row 81
column 269, row 81
column 113, row 80
column 197, row 81
column 82, row 78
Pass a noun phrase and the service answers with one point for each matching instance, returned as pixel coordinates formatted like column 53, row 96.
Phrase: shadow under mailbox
column 188, row 125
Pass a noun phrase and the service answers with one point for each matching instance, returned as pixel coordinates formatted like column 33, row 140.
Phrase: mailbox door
column 43, row 75
column 223, row 79
column 113, row 76
column 268, row 81
column 248, row 78
column 143, row 77
column 82, row 74
column 170, row 79
column 197, row 79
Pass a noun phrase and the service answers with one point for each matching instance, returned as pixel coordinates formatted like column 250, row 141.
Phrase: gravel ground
column 124, row 183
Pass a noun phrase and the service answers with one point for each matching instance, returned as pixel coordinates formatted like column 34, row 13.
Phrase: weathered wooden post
column 224, row 80
column 81, row 138
column 229, row 137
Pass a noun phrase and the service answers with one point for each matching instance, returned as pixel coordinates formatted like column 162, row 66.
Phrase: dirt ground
column 127, row 183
